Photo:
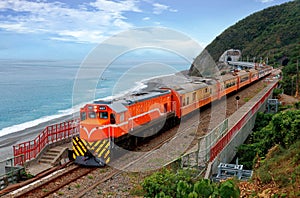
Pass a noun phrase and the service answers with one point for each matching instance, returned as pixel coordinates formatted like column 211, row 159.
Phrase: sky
column 70, row 29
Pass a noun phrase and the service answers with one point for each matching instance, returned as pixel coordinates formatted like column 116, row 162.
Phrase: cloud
column 266, row 1
column 159, row 8
column 116, row 7
column 88, row 22
column 91, row 21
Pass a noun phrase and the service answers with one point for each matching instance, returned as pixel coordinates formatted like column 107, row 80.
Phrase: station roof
column 242, row 64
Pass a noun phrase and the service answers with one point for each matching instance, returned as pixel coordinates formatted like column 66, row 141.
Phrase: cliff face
column 269, row 35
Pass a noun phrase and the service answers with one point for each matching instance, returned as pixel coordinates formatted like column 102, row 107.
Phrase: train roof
column 181, row 83
column 117, row 104
column 226, row 77
column 243, row 72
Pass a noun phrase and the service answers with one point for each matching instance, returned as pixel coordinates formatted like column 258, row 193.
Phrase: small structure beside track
column 11, row 174
column 226, row 171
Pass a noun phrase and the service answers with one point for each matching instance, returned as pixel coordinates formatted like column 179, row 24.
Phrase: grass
column 246, row 99
column 137, row 191
column 45, row 190
column 77, row 186
column 282, row 167
column 60, row 193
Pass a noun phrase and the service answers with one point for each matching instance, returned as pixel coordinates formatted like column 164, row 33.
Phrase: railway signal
column 237, row 102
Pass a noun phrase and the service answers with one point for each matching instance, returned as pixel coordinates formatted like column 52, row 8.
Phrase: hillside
column 272, row 32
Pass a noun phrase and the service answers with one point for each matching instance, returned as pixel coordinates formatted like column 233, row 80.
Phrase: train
column 138, row 115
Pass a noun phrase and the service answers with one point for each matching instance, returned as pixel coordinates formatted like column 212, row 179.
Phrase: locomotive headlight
column 102, row 108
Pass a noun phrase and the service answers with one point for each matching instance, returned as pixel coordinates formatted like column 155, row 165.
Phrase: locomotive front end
column 92, row 147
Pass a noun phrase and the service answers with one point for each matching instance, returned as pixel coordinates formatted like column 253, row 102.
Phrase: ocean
column 34, row 92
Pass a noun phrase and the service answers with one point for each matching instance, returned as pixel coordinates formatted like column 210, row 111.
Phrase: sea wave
column 29, row 124
column 139, row 85
column 44, row 119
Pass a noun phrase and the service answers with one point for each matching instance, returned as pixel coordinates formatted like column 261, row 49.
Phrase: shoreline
column 7, row 141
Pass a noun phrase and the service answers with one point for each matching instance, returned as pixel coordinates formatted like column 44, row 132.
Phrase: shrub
column 180, row 185
column 276, row 92
column 297, row 105
column 229, row 189
column 164, row 181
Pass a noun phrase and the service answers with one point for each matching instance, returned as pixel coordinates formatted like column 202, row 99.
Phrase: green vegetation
column 280, row 129
column 99, row 192
column 276, row 92
column 45, row 190
column 272, row 32
column 60, row 193
column 180, row 184
column 77, row 186
column 297, row 105
column 246, row 99
column 273, row 151
column 25, row 175
column 282, row 168
column 271, row 35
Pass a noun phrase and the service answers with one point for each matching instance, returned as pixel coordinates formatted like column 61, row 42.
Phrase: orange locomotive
column 143, row 114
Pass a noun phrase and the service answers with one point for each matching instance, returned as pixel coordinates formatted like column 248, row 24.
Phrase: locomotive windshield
column 83, row 116
column 92, row 114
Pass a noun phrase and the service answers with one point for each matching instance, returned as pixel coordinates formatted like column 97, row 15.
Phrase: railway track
column 53, row 182
column 115, row 172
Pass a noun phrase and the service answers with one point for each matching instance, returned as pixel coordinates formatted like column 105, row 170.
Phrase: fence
column 29, row 150
column 200, row 156
column 219, row 146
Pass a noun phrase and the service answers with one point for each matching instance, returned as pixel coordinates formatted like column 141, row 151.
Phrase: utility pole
column 297, row 80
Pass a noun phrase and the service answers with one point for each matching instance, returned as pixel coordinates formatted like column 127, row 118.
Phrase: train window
column 83, row 116
column 187, row 100
column 103, row 115
column 244, row 78
column 194, row 96
column 229, row 84
column 92, row 114
column 121, row 117
column 205, row 90
column 183, row 104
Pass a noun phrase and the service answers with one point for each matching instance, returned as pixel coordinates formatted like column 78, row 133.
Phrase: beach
column 7, row 141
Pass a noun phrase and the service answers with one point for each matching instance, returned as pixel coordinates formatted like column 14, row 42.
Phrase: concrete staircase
column 53, row 155
column 48, row 159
